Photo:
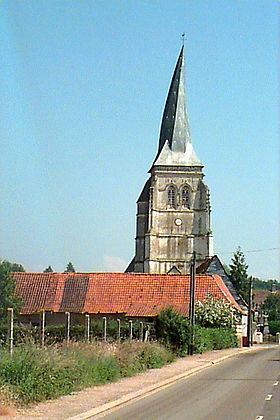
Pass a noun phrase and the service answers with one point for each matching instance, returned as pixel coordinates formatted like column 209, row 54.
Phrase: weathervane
column 183, row 38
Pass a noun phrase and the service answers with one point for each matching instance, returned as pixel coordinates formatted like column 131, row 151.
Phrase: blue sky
column 83, row 86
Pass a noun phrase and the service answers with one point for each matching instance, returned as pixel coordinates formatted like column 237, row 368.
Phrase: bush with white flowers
column 215, row 313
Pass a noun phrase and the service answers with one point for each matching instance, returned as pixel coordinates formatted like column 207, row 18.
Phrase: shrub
column 172, row 329
column 214, row 313
column 154, row 356
column 206, row 339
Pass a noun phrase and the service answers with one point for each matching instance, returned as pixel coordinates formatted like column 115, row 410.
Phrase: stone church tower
column 173, row 209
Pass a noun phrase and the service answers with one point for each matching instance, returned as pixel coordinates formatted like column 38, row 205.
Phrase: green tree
column 8, row 299
column 271, row 305
column 12, row 267
column 70, row 268
column 238, row 274
column 270, row 284
column 48, row 269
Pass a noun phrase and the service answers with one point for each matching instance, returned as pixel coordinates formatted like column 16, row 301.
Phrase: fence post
column 104, row 328
column 141, row 331
column 67, row 326
column 11, row 330
column 119, row 330
column 130, row 330
column 42, row 326
column 147, row 332
column 87, row 327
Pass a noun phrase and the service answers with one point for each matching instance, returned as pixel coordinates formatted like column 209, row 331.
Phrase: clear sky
column 83, row 86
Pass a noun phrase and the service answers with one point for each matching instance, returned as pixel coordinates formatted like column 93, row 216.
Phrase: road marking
column 259, row 418
column 276, row 383
column 268, row 397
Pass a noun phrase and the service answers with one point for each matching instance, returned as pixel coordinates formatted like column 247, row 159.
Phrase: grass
column 37, row 373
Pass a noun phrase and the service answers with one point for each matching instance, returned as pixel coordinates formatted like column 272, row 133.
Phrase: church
column 173, row 209
column 172, row 223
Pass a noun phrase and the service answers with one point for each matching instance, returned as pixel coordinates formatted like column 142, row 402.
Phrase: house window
column 171, row 196
column 185, row 197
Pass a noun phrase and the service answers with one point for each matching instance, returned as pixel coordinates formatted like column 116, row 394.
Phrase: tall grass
column 37, row 374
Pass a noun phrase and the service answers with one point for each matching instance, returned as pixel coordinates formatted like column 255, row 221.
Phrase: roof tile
column 133, row 294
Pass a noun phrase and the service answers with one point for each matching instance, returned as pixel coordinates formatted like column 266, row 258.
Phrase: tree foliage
column 271, row 305
column 274, row 327
column 70, row 268
column 215, row 313
column 12, row 267
column 48, row 269
column 270, row 284
column 238, row 274
column 8, row 299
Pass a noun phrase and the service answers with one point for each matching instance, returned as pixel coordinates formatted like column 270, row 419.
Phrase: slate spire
column 175, row 145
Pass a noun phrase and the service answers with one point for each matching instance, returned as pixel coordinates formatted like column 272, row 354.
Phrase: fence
column 91, row 329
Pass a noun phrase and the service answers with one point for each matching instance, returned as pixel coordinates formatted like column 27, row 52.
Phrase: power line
column 233, row 252
column 251, row 250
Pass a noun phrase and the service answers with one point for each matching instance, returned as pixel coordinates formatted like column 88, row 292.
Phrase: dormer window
column 185, row 197
column 171, row 196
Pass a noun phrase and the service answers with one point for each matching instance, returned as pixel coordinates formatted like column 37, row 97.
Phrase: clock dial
column 178, row 222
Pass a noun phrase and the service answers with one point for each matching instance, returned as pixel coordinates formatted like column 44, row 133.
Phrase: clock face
column 178, row 222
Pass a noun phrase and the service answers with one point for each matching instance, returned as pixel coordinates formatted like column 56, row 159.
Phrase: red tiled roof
column 140, row 295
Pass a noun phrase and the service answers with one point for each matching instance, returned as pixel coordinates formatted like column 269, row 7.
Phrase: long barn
column 137, row 296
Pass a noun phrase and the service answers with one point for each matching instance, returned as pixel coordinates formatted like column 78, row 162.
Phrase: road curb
column 156, row 387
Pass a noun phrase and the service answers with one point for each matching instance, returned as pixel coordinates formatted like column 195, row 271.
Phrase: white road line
column 276, row 383
column 268, row 397
column 259, row 418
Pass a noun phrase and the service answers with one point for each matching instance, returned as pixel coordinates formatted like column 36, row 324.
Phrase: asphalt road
column 241, row 388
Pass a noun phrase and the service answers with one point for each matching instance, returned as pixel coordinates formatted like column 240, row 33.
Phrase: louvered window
column 172, row 196
column 185, row 197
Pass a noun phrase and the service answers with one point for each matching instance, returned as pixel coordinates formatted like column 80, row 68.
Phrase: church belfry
column 173, row 209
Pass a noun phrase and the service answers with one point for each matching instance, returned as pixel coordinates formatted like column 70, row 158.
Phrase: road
column 241, row 388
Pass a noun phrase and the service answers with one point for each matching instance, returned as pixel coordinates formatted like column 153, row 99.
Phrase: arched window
column 171, row 196
column 185, row 197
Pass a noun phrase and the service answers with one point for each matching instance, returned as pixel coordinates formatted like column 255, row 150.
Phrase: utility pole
column 249, row 321
column 192, row 303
